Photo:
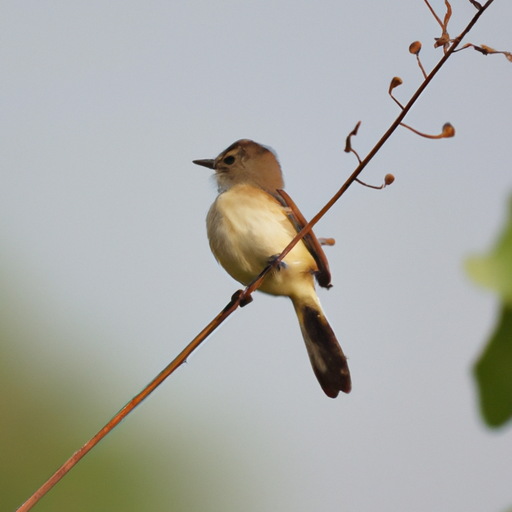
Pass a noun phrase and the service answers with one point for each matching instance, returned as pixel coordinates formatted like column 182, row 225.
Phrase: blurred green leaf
column 47, row 411
column 493, row 373
column 494, row 271
column 493, row 370
column 41, row 426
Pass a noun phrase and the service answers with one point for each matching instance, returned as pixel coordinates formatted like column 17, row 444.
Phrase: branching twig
column 396, row 82
column 415, row 49
column 444, row 40
column 448, row 131
column 241, row 297
column 486, row 50
column 388, row 179
column 478, row 5
column 434, row 14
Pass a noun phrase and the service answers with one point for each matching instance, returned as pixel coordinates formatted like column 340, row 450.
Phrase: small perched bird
column 249, row 224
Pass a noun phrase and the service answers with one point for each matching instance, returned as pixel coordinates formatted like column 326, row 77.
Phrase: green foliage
column 47, row 411
column 41, row 425
column 493, row 370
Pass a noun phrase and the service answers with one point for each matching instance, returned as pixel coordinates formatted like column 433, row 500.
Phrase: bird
column 249, row 224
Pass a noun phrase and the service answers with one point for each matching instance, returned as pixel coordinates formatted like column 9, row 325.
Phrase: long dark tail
column 327, row 359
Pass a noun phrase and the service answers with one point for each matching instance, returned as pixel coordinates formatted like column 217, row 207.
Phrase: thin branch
column 415, row 49
column 421, row 66
column 447, row 16
column 448, row 131
column 134, row 402
column 241, row 297
column 486, row 50
column 395, row 82
column 375, row 149
column 476, row 4
column 434, row 14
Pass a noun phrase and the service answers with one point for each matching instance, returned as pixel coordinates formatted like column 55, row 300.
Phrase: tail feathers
column 327, row 359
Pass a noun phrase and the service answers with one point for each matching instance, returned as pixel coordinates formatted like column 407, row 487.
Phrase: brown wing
column 323, row 275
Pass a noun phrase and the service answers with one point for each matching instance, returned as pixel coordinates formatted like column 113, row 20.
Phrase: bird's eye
column 229, row 160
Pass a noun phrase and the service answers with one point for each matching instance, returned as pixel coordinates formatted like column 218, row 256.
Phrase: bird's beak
column 205, row 163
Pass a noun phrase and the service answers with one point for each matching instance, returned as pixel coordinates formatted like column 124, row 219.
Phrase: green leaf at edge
column 494, row 270
column 493, row 373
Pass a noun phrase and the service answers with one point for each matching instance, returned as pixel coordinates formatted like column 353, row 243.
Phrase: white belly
column 246, row 227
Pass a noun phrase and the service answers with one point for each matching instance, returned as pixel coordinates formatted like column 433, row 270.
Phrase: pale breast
column 246, row 227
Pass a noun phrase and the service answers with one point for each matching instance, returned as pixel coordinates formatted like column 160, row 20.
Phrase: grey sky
column 104, row 106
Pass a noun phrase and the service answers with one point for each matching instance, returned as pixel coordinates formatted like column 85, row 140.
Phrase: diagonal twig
column 241, row 297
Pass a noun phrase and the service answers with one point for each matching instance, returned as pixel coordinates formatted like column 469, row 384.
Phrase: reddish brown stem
column 170, row 368
column 243, row 296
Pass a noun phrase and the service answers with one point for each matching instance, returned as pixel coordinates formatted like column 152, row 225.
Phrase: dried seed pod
column 388, row 179
column 395, row 82
column 415, row 48
column 448, row 131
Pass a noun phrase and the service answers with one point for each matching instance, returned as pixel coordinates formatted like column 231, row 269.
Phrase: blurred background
column 106, row 273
